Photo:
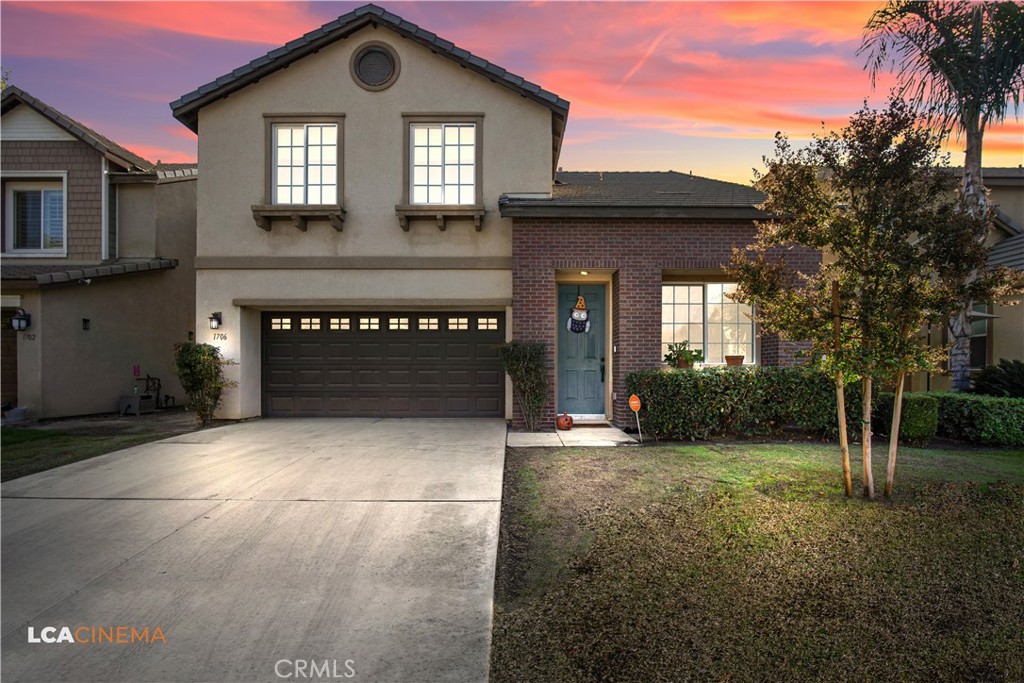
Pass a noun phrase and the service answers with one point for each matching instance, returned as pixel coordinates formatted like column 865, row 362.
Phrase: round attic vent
column 375, row 66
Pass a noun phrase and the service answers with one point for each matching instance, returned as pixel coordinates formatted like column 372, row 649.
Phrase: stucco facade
column 372, row 263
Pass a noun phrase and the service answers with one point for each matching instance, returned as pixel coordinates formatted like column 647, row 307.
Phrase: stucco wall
column 136, row 220
column 516, row 155
column 432, row 268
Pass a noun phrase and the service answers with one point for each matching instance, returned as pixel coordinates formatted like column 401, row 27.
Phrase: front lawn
column 745, row 562
column 27, row 451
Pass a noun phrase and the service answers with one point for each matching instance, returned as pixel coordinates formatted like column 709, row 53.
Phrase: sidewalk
column 592, row 436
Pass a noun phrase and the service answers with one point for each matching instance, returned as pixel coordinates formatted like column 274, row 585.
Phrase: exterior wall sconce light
column 216, row 321
column 21, row 320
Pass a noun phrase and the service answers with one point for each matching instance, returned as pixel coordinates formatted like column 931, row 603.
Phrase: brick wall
column 638, row 251
column 84, row 188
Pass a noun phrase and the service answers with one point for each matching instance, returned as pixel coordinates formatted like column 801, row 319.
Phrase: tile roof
column 186, row 108
column 51, row 274
column 14, row 96
column 639, row 193
column 1009, row 253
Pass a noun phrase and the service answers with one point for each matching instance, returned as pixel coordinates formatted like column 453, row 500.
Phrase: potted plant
column 736, row 358
column 680, row 355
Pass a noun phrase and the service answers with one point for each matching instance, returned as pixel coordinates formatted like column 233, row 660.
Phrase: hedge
column 750, row 401
column 919, row 421
column 990, row 420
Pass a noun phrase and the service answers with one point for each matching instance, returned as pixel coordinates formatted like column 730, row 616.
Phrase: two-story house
column 97, row 271
column 379, row 208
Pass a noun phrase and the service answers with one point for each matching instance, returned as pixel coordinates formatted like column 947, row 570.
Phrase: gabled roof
column 655, row 194
column 186, row 108
column 14, row 96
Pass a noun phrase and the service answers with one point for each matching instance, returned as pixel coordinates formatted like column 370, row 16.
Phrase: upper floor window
column 443, row 160
column 305, row 163
column 36, row 216
column 704, row 315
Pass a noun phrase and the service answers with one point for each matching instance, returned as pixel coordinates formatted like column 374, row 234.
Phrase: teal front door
column 581, row 355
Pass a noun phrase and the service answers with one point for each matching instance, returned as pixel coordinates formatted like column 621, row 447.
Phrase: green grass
column 27, row 451
column 745, row 562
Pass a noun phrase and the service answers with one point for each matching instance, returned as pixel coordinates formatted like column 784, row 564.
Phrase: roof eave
column 552, row 210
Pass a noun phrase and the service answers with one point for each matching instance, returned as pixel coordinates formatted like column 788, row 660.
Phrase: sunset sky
column 689, row 86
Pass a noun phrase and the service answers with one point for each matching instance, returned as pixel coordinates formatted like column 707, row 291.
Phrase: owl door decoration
column 579, row 319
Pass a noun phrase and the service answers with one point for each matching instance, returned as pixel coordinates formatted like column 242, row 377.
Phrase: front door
column 581, row 355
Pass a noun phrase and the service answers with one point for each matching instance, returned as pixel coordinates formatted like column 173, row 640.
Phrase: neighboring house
column 98, row 245
column 378, row 209
column 997, row 330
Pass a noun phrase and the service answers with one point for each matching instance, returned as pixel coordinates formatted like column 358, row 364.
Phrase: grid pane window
column 340, row 324
column 705, row 316
column 369, row 323
column 979, row 337
column 309, row 323
column 443, row 163
column 306, row 163
column 428, row 324
column 398, row 323
column 280, row 323
column 38, row 216
column 487, row 324
column 458, row 323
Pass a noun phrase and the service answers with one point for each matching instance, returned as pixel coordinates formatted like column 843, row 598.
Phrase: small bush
column 201, row 373
column 919, row 421
column 1004, row 379
column 525, row 363
column 749, row 401
column 988, row 420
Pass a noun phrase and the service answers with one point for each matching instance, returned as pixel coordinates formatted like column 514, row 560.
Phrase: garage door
column 383, row 364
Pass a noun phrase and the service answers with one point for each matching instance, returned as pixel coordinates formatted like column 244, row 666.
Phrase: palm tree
column 961, row 63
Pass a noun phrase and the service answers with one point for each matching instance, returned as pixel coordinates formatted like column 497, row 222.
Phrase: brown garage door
column 383, row 364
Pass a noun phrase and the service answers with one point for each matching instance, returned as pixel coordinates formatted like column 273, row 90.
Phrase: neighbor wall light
column 584, row 272
column 21, row 320
column 216, row 321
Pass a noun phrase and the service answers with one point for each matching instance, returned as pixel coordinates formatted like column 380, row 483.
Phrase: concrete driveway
column 273, row 550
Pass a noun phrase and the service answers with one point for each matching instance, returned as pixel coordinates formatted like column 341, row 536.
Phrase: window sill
column 441, row 213
column 28, row 253
column 298, row 214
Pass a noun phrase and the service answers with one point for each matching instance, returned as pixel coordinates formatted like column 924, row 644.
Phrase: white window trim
column 274, row 167
column 755, row 341
column 443, row 126
column 16, row 179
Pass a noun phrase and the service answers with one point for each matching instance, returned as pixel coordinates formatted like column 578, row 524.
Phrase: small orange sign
column 634, row 403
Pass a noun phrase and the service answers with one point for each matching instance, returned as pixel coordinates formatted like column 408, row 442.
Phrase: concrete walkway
column 259, row 548
column 589, row 436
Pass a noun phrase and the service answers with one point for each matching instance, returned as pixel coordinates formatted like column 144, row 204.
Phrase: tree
column 962, row 63
column 874, row 200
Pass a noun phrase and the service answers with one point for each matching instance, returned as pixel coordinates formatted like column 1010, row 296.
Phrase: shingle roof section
column 639, row 193
column 1009, row 253
column 13, row 96
column 186, row 108
column 48, row 275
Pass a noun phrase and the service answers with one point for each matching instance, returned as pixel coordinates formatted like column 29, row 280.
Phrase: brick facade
column 638, row 251
column 84, row 189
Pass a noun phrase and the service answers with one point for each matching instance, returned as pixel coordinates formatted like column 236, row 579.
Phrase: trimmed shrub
column 748, row 401
column 525, row 364
column 919, row 421
column 1004, row 379
column 201, row 373
column 989, row 420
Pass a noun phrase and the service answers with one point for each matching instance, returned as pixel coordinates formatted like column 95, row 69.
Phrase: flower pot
column 734, row 361
column 564, row 422
column 682, row 362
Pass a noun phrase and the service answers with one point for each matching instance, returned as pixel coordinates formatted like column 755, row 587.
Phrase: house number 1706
column 220, row 336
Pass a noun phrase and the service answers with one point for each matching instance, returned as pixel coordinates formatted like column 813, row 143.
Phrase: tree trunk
column 960, row 348
column 844, row 442
column 894, row 435
column 975, row 203
column 865, row 430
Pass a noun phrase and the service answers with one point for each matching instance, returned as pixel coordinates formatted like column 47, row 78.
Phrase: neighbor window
column 703, row 315
column 444, row 159
column 305, row 163
column 979, row 336
column 35, row 219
